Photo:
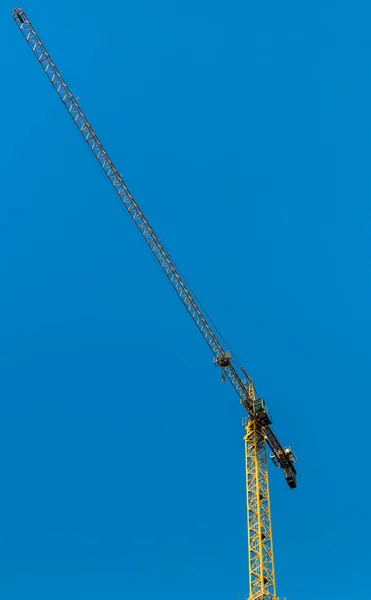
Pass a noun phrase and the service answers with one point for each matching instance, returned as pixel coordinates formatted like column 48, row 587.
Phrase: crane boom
column 282, row 457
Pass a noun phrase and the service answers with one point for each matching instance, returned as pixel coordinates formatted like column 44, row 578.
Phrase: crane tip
column 17, row 14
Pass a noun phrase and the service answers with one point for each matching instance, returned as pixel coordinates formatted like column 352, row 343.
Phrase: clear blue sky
column 243, row 130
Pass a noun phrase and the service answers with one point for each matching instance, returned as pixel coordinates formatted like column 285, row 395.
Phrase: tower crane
column 257, row 424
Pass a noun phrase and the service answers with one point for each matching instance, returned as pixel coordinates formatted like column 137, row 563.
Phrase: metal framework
column 261, row 563
column 259, row 526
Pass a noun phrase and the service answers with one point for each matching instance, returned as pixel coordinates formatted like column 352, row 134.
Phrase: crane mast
column 258, row 432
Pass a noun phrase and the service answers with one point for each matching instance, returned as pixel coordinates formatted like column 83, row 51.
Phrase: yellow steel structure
column 257, row 424
column 259, row 523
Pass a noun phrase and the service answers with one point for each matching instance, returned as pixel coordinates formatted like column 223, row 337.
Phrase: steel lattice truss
column 261, row 564
column 187, row 297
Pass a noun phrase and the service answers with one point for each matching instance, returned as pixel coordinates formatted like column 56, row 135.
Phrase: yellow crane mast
column 258, row 432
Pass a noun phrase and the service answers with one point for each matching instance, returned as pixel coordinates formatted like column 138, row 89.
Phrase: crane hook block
column 223, row 361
